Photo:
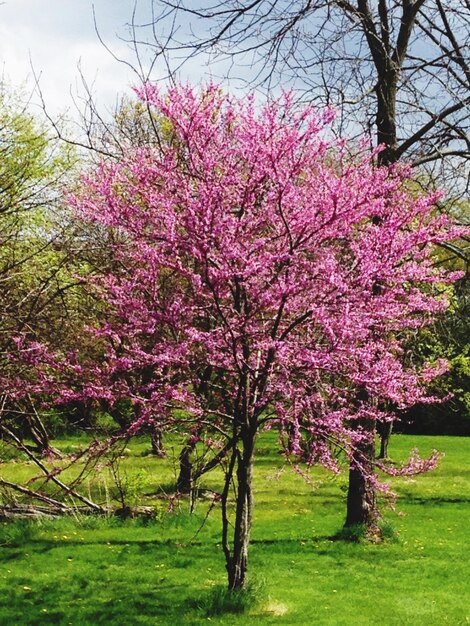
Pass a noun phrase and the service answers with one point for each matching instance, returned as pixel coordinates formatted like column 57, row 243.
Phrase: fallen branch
column 49, row 475
column 28, row 511
column 12, row 512
column 33, row 494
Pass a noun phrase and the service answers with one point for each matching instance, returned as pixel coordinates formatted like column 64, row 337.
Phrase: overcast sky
column 55, row 36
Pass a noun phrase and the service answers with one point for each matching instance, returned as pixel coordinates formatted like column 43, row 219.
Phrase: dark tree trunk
column 362, row 501
column 386, row 117
column 238, row 564
column 117, row 414
column 187, row 477
column 39, row 434
column 156, row 438
column 385, row 432
column 190, row 473
column 184, row 483
column 81, row 413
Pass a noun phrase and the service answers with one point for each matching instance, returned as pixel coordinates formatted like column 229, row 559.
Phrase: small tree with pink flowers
column 266, row 280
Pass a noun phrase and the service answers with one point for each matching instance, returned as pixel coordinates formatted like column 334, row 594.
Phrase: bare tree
column 396, row 69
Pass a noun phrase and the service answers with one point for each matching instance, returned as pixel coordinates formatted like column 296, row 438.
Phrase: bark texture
column 385, row 431
column 361, row 506
column 238, row 562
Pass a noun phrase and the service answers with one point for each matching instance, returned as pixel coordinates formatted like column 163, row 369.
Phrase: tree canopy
column 261, row 279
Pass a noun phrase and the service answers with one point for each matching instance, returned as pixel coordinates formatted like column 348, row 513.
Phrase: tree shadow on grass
column 432, row 500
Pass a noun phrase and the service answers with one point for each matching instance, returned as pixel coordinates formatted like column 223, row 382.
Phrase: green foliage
column 10, row 452
column 40, row 296
column 33, row 268
column 360, row 533
column 388, row 531
column 448, row 338
column 128, row 488
column 355, row 533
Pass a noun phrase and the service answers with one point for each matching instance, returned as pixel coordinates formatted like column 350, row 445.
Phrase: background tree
column 397, row 66
column 448, row 338
column 36, row 285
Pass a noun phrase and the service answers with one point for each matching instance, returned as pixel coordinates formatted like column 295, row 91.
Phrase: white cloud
column 55, row 36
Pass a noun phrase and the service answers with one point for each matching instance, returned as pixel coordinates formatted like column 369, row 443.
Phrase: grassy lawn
column 168, row 570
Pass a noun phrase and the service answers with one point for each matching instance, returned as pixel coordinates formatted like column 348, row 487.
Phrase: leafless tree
column 397, row 70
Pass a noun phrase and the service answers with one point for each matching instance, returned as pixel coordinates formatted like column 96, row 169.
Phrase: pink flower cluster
column 264, row 276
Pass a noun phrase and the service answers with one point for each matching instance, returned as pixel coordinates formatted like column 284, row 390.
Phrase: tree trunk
column 386, row 116
column 184, row 482
column 190, row 473
column 40, row 437
column 81, row 413
column 362, row 501
column 39, row 434
column 385, row 431
column 117, row 414
column 156, row 437
column 237, row 561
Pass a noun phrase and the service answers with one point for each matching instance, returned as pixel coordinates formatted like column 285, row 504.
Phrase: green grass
column 163, row 571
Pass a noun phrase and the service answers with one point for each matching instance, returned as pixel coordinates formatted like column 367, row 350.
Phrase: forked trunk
column 237, row 557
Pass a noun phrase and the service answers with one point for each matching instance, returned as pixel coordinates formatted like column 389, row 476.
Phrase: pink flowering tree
column 265, row 281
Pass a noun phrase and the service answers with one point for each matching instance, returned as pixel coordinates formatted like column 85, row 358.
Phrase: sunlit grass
column 170, row 569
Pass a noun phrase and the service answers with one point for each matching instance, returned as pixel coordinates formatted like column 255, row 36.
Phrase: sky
column 53, row 38
column 56, row 39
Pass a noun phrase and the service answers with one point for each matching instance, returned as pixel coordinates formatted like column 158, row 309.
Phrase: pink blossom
column 256, row 285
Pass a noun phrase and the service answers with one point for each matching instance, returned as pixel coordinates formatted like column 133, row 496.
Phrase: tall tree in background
column 397, row 66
